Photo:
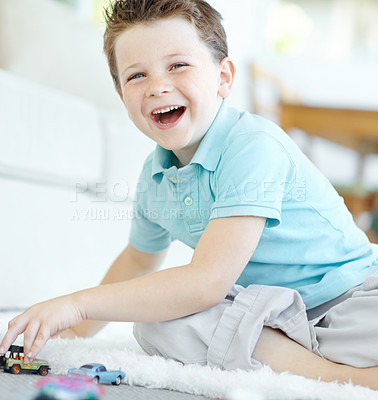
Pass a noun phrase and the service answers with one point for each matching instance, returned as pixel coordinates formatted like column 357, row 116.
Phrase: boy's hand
column 40, row 322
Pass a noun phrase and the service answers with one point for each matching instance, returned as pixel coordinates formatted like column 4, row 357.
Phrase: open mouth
column 168, row 117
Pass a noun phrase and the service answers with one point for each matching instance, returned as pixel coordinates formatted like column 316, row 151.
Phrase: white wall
column 45, row 41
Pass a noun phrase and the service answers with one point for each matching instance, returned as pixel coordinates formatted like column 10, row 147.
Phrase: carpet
column 116, row 348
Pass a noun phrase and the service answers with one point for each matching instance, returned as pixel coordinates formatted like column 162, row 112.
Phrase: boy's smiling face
column 170, row 83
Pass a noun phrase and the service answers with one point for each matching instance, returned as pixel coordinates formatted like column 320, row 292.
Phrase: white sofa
column 68, row 173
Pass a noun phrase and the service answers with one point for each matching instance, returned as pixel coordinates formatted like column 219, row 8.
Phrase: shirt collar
column 160, row 160
column 210, row 148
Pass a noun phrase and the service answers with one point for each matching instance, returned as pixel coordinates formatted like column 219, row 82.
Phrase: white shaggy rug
column 116, row 348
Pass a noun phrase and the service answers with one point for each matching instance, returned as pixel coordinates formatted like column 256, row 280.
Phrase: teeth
column 164, row 110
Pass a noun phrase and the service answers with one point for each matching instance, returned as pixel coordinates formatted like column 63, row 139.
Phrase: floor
column 21, row 387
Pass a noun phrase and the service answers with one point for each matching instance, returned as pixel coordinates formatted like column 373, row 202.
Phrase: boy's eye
column 178, row 65
column 135, row 76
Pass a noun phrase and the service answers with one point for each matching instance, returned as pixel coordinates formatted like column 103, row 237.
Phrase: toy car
column 13, row 362
column 68, row 388
column 98, row 373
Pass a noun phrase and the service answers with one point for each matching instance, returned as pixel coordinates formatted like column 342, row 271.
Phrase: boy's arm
column 220, row 256
column 222, row 253
column 131, row 263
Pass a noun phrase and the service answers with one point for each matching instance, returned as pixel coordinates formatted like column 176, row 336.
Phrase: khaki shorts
column 344, row 330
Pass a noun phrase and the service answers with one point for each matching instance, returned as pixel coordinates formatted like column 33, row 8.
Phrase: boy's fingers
column 30, row 335
column 40, row 340
column 15, row 328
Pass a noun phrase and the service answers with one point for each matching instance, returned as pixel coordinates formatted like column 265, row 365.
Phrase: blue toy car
column 98, row 373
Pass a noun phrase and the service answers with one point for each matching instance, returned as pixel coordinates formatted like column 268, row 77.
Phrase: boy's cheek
column 121, row 97
column 125, row 103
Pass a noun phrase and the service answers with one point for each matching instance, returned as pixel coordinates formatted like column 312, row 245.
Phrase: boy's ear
column 226, row 78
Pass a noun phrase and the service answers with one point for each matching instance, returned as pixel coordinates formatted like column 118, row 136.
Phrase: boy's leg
column 348, row 333
column 284, row 354
column 347, row 338
column 235, row 334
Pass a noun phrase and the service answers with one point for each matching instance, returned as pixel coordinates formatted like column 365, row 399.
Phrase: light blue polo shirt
column 246, row 165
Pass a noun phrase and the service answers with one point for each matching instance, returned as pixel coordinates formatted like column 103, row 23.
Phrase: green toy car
column 13, row 362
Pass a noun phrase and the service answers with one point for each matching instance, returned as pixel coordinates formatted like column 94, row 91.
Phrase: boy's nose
column 158, row 86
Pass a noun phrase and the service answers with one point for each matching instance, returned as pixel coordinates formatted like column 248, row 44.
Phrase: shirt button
column 173, row 179
column 188, row 201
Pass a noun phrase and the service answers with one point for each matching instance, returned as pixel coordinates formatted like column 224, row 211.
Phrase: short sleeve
column 146, row 235
column 253, row 178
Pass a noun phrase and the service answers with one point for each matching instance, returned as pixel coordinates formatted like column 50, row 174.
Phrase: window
column 335, row 30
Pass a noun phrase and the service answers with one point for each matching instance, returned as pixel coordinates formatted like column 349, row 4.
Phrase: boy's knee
column 185, row 339
column 171, row 339
column 144, row 334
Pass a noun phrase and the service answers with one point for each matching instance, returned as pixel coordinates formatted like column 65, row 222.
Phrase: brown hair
column 123, row 14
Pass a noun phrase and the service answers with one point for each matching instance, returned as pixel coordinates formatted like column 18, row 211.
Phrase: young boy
column 235, row 188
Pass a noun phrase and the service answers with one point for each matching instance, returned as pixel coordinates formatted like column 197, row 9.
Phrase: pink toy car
column 68, row 388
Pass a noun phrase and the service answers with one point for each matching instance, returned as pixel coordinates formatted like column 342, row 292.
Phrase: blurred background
column 70, row 158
